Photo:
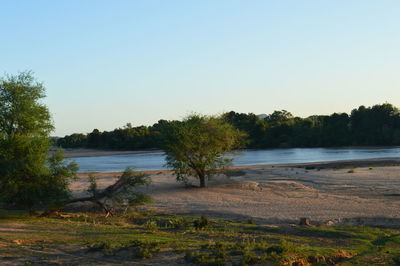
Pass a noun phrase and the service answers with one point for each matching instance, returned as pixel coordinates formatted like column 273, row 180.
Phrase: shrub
column 201, row 224
column 211, row 254
column 151, row 225
column 251, row 221
column 145, row 250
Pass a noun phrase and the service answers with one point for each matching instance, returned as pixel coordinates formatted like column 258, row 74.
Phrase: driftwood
column 117, row 192
column 54, row 212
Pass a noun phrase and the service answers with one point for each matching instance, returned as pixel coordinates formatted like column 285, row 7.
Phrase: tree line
column 195, row 147
column 364, row 126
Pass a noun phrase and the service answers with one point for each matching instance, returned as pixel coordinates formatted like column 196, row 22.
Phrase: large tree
column 28, row 177
column 197, row 146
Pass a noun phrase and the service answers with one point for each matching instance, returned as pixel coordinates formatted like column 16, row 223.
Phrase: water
column 156, row 160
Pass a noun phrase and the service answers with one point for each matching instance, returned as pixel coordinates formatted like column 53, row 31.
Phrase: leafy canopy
column 120, row 195
column 197, row 146
column 28, row 177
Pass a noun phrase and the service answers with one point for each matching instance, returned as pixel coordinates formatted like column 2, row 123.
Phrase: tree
column 278, row 117
column 119, row 195
column 75, row 140
column 28, row 177
column 254, row 127
column 197, row 146
column 376, row 125
column 93, row 139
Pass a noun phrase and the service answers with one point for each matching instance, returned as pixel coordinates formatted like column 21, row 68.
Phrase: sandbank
column 343, row 193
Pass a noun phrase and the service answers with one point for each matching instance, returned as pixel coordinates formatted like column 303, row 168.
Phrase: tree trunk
column 202, row 181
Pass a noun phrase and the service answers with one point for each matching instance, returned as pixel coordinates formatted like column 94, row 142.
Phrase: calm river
column 156, row 160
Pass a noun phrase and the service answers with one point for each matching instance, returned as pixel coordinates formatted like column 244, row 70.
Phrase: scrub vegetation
column 92, row 238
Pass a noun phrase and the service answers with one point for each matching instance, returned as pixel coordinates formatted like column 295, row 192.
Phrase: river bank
column 343, row 193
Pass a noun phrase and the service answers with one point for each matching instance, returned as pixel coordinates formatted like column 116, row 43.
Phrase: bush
column 178, row 223
column 151, row 225
column 141, row 249
column 145, row 250
column 212, row 254
column 201, row 224
column 251, row 221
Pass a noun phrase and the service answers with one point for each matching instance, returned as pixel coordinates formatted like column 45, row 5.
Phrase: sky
column 107, row 63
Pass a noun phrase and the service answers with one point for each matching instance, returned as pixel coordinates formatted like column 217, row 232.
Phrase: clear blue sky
column 106, row 63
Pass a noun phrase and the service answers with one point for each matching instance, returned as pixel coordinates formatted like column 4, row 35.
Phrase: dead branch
column 121, row 188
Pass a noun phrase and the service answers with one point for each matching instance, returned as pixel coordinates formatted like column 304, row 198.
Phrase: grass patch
column 197, row 240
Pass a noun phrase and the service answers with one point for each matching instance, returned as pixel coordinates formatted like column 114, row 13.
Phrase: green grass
column 151, row 236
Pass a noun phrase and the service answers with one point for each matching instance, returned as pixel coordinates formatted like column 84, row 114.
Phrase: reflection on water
column 156, row 160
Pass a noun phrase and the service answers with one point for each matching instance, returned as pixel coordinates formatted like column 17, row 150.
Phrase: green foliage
column 54, row 187
column 92, row 189
column 254, row 127
column 127, row 194
column 376, row 125
column 121, row 195
column 151, row 225
column 21, row 112
column 104, row 247
column 246, row 252
column 250, row 251
column 196, row 147
column 178, row 223
column 140, row 249
column 211, row 254
column 251, row 221
column 28, row 178
column 279, row 117
column 145, row 249
column 201, row 223
column 225, row 242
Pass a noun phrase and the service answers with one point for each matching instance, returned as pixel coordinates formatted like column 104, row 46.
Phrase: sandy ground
column 282, row 194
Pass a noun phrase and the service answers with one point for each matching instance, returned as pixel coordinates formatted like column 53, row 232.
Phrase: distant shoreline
column 357, row 163
column 74, row 153
column 84, row 152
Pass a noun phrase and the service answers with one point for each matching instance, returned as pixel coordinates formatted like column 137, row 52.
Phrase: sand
column 281, row 194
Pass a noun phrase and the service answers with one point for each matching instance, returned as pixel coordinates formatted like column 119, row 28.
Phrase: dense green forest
column 364, row 126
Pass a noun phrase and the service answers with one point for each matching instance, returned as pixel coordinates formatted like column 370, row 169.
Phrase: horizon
column 107, row 64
